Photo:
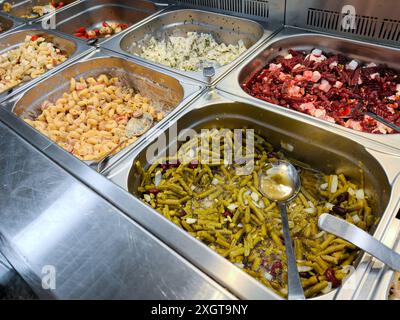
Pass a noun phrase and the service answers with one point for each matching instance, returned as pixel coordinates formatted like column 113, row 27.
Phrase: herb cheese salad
column 189, row 52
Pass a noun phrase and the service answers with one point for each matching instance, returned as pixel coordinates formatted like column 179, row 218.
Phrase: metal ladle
column 281, row 183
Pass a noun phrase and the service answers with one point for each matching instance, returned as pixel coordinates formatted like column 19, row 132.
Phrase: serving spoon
column 281, row 183
column 375, row 117
column 351, row 233
column 134, row 128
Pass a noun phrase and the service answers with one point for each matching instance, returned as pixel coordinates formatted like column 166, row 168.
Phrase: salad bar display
column 131, row 100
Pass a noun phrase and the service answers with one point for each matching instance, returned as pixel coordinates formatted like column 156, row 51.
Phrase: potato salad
column 189, row 52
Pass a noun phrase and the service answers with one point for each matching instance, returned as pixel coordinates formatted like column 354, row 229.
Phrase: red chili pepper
column 60, row 5
column 123, row 25
column 105, row 24
column 96, row 30
column 80, row 30
column 34, row 37
column 54, row 4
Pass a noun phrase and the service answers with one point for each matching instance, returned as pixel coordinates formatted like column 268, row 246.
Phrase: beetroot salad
column 330, row 87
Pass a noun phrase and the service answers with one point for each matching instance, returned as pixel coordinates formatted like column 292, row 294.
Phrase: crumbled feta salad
column 190, row 52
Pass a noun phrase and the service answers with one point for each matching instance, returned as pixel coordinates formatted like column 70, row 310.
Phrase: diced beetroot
column 330, row 276
column 154, row 190
column 193, row 165
column 227, row 213
column 276, row 268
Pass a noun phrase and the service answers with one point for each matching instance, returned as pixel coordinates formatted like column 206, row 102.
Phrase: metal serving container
column 8, row 23
column 327, row 149
column 161, row 88
column 299, row 39
column 91, row 14
column 13, row 39
column 24, row 7
column 224, row 28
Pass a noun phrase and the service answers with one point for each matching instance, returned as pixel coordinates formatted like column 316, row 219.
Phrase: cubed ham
column 333, row 64
column 288, row 56
column 294, row 91
column 307, row 75
column 338, row 84
column 352, row 124
column 324, row 86
column 273, row 66
column 315, row 76
column 307, row 107
column 352, row 65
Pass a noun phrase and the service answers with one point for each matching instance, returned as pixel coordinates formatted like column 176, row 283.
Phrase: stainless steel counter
column 48, row 218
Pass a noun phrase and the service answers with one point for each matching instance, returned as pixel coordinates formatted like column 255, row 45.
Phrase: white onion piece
column 215, row 181
column 327, row 289
column 147, row 197
column 309, row 210
column 360, row 194
column 334, row 184
column 324, row 186
column 329, row 205
column 254, row 196
column 232, row 207
column 268, row 276
column 356, row 218
column 304, row 268
column 157, row 178
column 191, row 220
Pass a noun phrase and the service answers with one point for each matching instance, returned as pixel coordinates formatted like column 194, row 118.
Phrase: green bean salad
column 227, row 212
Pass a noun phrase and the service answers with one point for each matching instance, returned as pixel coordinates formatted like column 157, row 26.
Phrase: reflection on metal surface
column 96, row 251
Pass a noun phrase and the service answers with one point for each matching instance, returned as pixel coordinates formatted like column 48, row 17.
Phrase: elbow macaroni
column 89, row 121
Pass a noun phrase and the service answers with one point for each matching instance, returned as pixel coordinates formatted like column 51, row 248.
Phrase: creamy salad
column 190, row 52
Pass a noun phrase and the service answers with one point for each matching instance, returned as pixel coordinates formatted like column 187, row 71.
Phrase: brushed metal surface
column 175, row 20
column 304, row 40
column 336, row 152
column 172, row 91
column 10, row 40
column 91, row 14
column 48, row 218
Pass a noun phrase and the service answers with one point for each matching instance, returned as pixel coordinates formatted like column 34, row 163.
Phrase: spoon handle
column 360, row 238
column 295, row 290
column 384, row 121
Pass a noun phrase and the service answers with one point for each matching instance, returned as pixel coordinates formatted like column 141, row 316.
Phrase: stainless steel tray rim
column 190, row 90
